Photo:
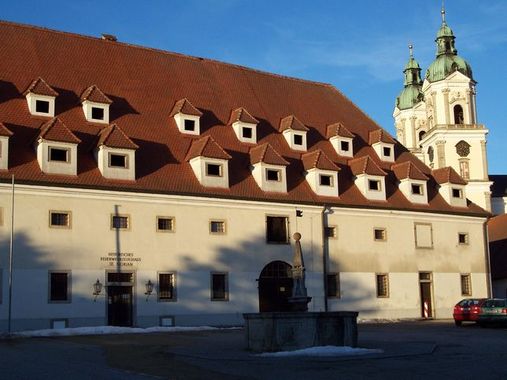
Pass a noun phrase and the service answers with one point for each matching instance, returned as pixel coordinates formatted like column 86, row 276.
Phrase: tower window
column 458, row 115
column 421, row 135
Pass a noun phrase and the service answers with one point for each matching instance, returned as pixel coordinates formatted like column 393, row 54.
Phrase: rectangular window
column 246, row 132
column 457, row 193
column 423, row 235
column 333, row 285
column 118, row 160
column 345, row 146
column 59, row 154
column 382, row 285
column 120, row 222
column 189, row 125
column 115, row 277
column 219, row 287
column 330, row 232
column 97, row 113
column 380, row 234
column 214, row 170
column 42, row 106
column 466, row 285
column 166, row 287
column 387, row 151
column 417, row 189
column 463, row 238
column 59, row 219
column 217, row 227
column 59, row 286
column 298, row 140
column 277, row 229
column 165, row 224
column 326, row 180
column 273, row 175
column 374, row 185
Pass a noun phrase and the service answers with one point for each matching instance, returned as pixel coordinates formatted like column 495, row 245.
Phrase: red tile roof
column 265, row 153
column 292, row 122
column 185, row 107
column 448, row 175
column 40, row 87
column 4, row 131
column 408, row 170
column 241, row 114
column 318, row 160
column 338, row 129
column 145, row 85
column 365, row 165
column 207, row 147
column 380, row 135
column 497, row 228
column 93, row 94
column 56, row 130
column 113, row 137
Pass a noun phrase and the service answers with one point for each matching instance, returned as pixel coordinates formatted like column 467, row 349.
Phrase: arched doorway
column 275, row 287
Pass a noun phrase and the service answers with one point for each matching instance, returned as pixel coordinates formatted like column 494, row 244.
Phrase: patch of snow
column 323, row 351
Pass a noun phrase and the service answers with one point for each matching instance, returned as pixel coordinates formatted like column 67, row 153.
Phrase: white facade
column 4, row 152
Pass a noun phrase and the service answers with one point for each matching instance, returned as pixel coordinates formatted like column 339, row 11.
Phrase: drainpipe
column 325, row 253
column 488, row 258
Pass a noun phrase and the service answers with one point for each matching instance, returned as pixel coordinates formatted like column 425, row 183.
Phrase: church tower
column 450, row 134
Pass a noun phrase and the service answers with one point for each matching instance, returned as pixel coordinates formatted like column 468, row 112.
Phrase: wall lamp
column 149, row 289
column 97, row 289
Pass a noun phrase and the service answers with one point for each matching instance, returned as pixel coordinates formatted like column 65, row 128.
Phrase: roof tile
column 365, row 165
column 93, row 94
column 40, row 87
column 185, row 107
column 4, row 131
column 408, row 169
column 265, row 153
column 56, row 130
column 292, row 122
column 448, row 175
column 113, row 137
column 207, row 147
column 241, row 114
column 380, row 135
column 338, row 129
column 318, row 160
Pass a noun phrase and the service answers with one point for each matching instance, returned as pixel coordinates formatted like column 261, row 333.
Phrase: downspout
column 488, row 259
column 324, row 255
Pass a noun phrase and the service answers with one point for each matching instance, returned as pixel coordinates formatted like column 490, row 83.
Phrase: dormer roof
column 292, row 122
column 185, row 107
column 94, row 94
column 4, row 131
column 56, row 130
column 338, row 129
column 241, row 114
column 40, row 87
column 379, row 135
column 265, row 153
column 408, row 170
column 365, row 165
column 207, row 147
column 318, row 160
column 448, row 175
column 113, row 137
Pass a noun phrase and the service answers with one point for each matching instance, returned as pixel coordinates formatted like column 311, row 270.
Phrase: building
column 497, row 230
column 498, row 194
column 157, row 188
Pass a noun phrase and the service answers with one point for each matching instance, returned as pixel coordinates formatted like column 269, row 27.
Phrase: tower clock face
column 463, row 148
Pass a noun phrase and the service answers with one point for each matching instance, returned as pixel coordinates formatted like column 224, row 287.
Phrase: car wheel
column 457, row 323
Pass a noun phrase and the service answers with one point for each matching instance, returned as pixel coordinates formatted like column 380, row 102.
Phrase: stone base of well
column 286, row 331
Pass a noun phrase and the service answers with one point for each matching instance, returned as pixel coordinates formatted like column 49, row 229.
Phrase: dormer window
column 244, row 125
column 383, row 144
column 325, row 180
column 345, row 146
column 95, row 105
column 273, row 175
column 413, row 182
column 5, row 134
column 387, row 151
column 214, row 170
column 294, row 132
column 187, row 117
column 374, row 185
column 341, row 139
column 417, row 189
column 321, row 173
column 41, row 98
column 246, row 132
column 457, row 193
column 268, row 169
column 452, row 186
column 118, row 160
column 58, row 154
column 369, row 178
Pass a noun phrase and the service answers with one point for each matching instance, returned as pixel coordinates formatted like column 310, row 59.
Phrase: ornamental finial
column 411, row 50
column 442, row 12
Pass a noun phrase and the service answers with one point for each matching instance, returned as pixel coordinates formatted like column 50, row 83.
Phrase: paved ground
column 415, row 350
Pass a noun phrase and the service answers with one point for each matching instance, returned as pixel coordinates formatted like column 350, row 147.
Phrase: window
column 273, row 175
column 330, row 232
column 59, row 290
column 42, row 106
column 214, row 170
column 166, row 288
column 276, row 229
column 58, row 154
column 97, row 113
column 59, row 219
column 417, row 189
column 466, row 286
column 344, row 146
column 246, row 132
column 382, row 285
column 189, row 125
column 120, row 222
column 326, row 180
column 380, row 234
column 374, row 185
column 219, row 287
column 421, row 135
column 387, row 151
column 458, row 115
column 165, row 224
column 217, row 227
column 464, row 169
column 333, row 285
column 423, row 235
column 118, row 160
column 463, row 238
column 457, row 193
column 298, row 140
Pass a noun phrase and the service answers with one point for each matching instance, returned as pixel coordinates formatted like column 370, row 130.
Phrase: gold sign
column 120, row 259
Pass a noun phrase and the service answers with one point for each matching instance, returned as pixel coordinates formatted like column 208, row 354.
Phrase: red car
column 467, row 310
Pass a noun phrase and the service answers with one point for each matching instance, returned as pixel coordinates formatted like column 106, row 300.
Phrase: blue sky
column 358, row 46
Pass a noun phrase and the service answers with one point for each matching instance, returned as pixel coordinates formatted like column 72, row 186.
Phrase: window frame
column 171, row 218
column 109, row 160
column 250, row 129
column 418, row 186
column 174, row 293
column 287, row 231
column 298, row 139
column 54, row 148
column 192, row 121
column 129, row 225
column 334, row 235
column 417, row 243
column 58, row 226
column 278, row 175
column 220, row 168
column 383, row 231
column 68, row 298
column 377, row 181
column 47, row 102
column 466, row 239
column 330, row 177
column 460, row 192
column 102, row 109
column 385, row 294
column 388, row 149
column 225, row 298
column 468, row 279
column 347, row 145
column 337, row 283
column 218, row 222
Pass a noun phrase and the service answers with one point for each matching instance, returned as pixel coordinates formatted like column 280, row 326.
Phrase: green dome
column 412, row 64
column 446, row 64
column 409, row 97
column 445, row 31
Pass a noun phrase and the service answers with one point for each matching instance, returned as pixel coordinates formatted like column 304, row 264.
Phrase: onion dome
column 412, row 92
